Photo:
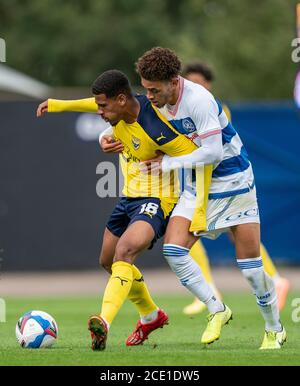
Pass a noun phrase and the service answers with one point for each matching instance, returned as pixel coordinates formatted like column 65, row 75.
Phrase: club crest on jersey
column 136, row 142
column 188, row 125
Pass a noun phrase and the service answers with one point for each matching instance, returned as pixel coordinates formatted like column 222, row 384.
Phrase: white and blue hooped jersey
column 199, row 115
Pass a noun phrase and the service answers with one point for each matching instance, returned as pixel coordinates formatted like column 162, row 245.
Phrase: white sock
column 149, row 317
column 264, row 290
column 190, row 276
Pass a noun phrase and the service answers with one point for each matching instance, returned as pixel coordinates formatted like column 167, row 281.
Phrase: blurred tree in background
column 69, row 42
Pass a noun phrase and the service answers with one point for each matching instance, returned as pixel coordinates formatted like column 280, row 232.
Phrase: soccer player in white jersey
column 232, row 197
column 201, row 73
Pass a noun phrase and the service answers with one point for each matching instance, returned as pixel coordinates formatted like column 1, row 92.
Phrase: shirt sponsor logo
column 248, row 213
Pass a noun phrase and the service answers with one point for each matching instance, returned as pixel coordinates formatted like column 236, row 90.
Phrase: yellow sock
column 140, row 295
column 116, row 290
column 267, row 262
column 198, row 253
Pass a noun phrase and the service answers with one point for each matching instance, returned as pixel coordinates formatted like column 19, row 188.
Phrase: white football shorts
column 222, row 213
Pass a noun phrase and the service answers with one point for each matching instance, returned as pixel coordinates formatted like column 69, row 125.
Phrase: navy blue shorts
column 130, row 210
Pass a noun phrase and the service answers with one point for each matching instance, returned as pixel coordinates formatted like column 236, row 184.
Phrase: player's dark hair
column 199, row 68
column 158, row 64
column 112, row 83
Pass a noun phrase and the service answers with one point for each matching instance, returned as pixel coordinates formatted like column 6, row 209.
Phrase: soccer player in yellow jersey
column 202, row 74
column 139, row 132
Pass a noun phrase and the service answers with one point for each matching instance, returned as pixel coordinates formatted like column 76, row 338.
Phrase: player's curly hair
column 112, row 83
column 158, row 64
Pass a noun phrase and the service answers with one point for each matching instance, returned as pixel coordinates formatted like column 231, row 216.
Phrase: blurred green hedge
column 69, row 42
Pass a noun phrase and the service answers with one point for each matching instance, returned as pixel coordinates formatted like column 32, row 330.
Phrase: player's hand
column 153, row 165
column 42, row 108
column 110, row 145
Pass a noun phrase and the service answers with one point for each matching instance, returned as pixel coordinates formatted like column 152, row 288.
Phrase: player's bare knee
column 247, row 240
column 248, row 246
column 125, row 252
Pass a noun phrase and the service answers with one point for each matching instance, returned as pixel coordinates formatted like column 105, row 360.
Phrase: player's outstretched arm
column 86, row 105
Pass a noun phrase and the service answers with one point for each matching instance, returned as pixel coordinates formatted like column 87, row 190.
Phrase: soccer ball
column 36, row 329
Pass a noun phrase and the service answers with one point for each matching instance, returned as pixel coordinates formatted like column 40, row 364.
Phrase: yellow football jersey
column 141, row 139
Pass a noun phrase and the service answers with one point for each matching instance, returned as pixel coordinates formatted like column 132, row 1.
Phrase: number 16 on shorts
column 150, row 208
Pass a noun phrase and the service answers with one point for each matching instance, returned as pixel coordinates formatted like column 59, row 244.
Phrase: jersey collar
column 174, row 109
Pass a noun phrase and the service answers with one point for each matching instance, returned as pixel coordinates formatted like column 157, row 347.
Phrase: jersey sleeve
column 204, row 112
column 209, row 153
column 87, row 105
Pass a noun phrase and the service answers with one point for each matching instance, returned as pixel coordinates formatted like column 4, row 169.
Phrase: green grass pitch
column 177, row 344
